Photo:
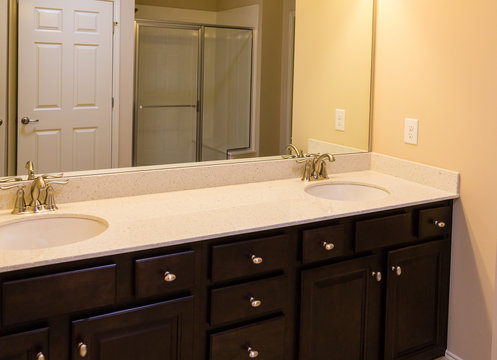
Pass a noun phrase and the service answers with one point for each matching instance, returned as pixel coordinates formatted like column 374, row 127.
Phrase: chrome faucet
column 293, row 148
column 315, row 166
column 39, row 184
column 31, row 171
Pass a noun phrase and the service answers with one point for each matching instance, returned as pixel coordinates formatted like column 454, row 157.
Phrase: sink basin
column 50, row 231
column 347, row 191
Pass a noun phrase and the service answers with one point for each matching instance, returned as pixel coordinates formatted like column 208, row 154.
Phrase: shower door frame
column 200, row 77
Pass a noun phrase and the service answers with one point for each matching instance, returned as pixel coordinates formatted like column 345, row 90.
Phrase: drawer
column 435, row 222
column 323, row 243
column 61, row 293
column 163, row 274
column 381, row 232
column 250, row 299
column 249, row 257
column 266, row 338
column 25, row 345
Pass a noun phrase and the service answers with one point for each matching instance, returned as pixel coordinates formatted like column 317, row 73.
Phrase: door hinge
column 113, row 102
column 114, row 25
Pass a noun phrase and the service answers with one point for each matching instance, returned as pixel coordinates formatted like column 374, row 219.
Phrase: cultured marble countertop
column 171, row 218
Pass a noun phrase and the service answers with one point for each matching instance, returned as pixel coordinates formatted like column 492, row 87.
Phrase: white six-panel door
column 3, row 85
column 65, row 82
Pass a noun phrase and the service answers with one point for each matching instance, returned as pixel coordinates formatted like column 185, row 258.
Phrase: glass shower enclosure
column 193, row 93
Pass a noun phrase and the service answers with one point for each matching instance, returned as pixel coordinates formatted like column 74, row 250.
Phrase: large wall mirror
column 98, row 85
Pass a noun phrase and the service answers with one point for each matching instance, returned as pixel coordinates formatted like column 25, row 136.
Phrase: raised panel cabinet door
column 31, row 345
column 417, row 301
column 341, row 311
column 162, row 331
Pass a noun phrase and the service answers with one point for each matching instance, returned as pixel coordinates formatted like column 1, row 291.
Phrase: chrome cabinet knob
column 26, row 121
column 40, row 356
column 255, row 303
column 256, row 260
column 440, row 224
column 377, row 275
column 83, row 349
column 252, row 353
column 328, row 246
column 397, row 270
column 169, row 277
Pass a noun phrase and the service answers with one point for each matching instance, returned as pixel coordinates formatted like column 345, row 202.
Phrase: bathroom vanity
column 271, row 269
column 372, row 286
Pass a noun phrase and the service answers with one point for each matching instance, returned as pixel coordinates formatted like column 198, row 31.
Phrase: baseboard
column 451, row 356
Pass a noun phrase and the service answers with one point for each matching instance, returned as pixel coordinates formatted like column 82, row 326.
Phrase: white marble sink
column 347, row 191
column 49, row 231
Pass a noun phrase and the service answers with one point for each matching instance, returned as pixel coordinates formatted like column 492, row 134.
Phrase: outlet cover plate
column 411, row 131
column 340, row 119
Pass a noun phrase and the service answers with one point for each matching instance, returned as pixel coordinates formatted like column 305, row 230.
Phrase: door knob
column 26, row 121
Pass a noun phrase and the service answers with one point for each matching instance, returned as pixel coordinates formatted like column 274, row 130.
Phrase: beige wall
column 332, row 70
column 437, row 61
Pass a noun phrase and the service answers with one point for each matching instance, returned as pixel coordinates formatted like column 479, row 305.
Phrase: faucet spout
column 30, row 168
column 36, row 188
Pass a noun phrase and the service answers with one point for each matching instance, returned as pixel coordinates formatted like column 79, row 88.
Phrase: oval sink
column 347, row 191
column 45, row 232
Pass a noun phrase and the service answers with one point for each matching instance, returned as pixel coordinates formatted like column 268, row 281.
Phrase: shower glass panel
column 226, row 110
column 166, row 97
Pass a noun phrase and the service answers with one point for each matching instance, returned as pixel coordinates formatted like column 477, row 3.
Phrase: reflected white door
column 167, row 93
column 3, row 86
column 65, row 84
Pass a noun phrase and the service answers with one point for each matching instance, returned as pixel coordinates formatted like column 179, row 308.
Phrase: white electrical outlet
column 340, row 119
column 411, row 131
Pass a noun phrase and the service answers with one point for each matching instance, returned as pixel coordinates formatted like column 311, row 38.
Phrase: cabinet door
column 32, row 345
column 162, row 331
column 340, row 315
column 417, row 301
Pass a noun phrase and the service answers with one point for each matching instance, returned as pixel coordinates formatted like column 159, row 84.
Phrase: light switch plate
column 340, row 119
column 411, row 131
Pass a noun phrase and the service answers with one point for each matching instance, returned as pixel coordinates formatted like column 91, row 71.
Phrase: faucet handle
column 49, row 202
column 52, row 176
column 20, row 203
column 10, row 178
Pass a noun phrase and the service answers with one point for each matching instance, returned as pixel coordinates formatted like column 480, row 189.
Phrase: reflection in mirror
column 213, row 80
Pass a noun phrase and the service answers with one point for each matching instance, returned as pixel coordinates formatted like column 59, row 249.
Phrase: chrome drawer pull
column 40, row 356
column 83, row 349
column 328, row 246
column 169, row 277
column 397, row 269
column 440, row 224
column 256, row 260
column 255, row 303
column 252, row 353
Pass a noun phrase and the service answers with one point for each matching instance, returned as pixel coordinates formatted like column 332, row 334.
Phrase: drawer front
column 26, row 345
column 323, row 243
column 266, row 338
column 163, row 274
column 381, row 232
column 250, row 299
column 61, row 293
column 434, row 222
column 251, row 257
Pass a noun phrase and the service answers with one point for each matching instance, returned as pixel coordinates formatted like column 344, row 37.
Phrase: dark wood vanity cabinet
column 367, row 287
